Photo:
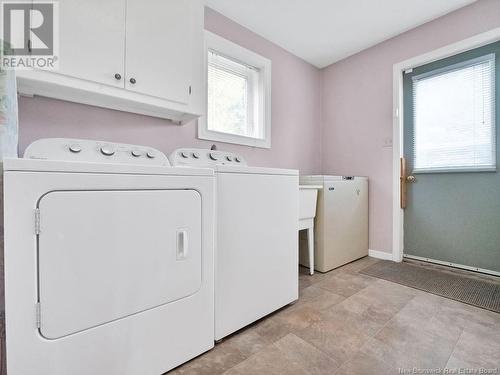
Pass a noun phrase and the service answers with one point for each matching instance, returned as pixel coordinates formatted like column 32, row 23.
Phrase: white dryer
column 108, row 260
column 256, row 252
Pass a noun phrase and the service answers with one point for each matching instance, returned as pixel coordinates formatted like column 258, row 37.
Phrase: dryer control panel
column 85, row 150
column 196, row 157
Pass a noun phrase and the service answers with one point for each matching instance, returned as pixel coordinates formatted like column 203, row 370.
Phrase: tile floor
column 349, row 323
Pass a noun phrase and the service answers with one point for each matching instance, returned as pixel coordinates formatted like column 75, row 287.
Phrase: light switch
column 387, row 142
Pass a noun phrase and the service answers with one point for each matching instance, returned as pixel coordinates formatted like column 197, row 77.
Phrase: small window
column 454, row 117
column 233, row 93
column 238, row 95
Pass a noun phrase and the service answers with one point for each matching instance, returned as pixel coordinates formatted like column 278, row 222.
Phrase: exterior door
column 452, row 213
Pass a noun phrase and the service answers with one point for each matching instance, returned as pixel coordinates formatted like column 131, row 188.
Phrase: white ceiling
column 325, row 31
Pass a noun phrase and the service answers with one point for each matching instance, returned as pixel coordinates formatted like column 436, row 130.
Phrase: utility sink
column 307, row 201
column 308, row 195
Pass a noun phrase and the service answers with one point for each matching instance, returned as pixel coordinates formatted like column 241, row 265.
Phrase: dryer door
column 105, row 255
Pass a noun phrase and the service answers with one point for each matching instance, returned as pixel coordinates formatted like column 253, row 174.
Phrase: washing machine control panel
column 94, row 151
column 195, row 157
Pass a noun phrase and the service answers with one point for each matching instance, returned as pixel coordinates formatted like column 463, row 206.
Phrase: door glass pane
column 454, row 117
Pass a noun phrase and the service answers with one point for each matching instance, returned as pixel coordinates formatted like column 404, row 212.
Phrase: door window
column 454, row 117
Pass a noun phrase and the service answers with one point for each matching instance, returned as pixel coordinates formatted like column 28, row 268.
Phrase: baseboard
column 380, row 254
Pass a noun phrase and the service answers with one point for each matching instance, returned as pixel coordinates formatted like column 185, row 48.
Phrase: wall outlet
column 387, row 142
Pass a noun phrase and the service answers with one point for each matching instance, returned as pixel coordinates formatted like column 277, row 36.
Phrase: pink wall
column 332, row 121
column 357, row 106
column 295, row 113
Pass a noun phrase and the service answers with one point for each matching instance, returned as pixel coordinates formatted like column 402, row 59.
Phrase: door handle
column 182, row 244
column 402, row 183
column 404, row 179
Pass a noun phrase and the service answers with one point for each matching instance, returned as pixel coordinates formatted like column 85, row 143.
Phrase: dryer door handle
column 182, row 244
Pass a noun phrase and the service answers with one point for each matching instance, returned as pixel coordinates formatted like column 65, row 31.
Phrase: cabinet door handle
column 118, row 76
column 132, row 81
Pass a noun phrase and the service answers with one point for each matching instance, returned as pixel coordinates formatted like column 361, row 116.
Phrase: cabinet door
column 92, row 40
column 159, row 48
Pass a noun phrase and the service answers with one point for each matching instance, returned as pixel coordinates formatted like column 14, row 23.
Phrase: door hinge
column 37, row 221
column 29, row 46
column 190, row 90
column 38, row 315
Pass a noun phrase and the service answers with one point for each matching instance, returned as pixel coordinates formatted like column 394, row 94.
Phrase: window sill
column 215, row 136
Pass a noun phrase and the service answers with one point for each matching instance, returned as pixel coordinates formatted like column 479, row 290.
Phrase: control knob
column 213, row 156
column 107, row 151
column 75, row 148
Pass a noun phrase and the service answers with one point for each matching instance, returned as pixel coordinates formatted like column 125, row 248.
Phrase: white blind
column 232, row 101
column 454, row 117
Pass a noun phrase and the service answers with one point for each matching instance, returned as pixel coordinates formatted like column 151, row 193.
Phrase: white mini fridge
column 341, row 223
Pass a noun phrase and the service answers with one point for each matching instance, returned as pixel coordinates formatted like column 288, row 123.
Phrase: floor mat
column 473, row 291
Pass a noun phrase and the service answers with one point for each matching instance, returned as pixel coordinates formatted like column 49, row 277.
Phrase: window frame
column 238, row 53
column 448, row 69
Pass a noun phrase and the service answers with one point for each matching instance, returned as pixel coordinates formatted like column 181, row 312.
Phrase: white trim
column 476, row 41
column 455, row 265
column 239, row 53
column 380, row 254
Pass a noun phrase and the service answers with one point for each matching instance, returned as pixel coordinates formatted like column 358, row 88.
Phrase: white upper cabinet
column 159, row 48
column 141, row 56
column 92, row 43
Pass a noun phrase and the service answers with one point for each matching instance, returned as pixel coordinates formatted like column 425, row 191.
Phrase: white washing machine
column 256, row 252
column 108, row 260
